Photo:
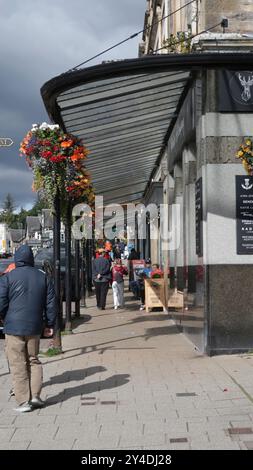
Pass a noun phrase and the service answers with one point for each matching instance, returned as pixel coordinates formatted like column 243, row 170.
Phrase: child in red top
column 156, row 272
column 118, row 272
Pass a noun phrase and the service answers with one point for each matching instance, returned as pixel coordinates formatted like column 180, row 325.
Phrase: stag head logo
column 246, row 82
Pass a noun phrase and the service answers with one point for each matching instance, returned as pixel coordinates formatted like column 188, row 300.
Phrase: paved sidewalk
column 129, row 380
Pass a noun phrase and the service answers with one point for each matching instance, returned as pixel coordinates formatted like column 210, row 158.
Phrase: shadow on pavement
column 161, row 331
column 149, row 317
column 71, row 375
column 102, row 347
column 112, row 382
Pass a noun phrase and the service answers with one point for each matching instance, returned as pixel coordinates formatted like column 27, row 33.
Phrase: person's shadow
column 74, row 375
column 111, row 382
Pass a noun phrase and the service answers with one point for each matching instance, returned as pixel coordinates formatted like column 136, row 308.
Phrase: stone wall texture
column 238, row 12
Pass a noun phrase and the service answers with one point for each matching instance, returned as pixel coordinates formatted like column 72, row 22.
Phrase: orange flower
column 66, row 144
column 77, row 156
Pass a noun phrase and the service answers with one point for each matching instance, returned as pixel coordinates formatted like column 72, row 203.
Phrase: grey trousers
column 25, row 367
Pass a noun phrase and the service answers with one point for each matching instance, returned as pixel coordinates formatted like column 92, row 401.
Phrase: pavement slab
column 130, row 380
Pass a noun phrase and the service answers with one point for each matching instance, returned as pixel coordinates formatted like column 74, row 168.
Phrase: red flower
column 70, row 188
column 46, row 154
column 57, row 158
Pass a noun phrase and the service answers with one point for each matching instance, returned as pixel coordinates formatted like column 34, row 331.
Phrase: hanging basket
column 245, row 154
column 57, row 161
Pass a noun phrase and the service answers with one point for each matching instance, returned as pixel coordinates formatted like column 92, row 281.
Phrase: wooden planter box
column 155, row 295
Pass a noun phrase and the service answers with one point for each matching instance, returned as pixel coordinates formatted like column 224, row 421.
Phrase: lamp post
column 77, row 278
column 83, row 274
column 89, row 266
column 68, row 293
column 57, row 273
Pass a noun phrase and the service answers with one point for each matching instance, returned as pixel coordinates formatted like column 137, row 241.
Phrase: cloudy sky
column 39, row 40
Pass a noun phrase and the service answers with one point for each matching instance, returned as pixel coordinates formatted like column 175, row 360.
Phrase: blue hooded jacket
column 26, row 297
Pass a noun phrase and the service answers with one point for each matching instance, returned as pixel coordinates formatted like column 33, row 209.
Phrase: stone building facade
column 200, row 172
column 199, row 16
column 173, row 125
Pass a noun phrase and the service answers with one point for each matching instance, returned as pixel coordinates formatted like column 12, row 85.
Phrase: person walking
column 101, row 275
column 118, row 271
column 26, row 297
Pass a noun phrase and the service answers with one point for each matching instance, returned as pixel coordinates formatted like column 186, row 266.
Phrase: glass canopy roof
column 123, row 123
column 124, row 111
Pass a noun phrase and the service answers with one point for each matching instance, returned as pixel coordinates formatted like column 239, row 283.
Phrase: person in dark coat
column 26, row 297
column 101, row 275
column 133, row 256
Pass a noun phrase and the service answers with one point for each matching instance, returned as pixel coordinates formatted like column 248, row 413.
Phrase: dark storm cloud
column 41, row 39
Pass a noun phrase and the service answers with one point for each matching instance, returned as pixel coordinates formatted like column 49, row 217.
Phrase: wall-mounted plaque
column 235, row 91
column 244, row 214
column 199, row 217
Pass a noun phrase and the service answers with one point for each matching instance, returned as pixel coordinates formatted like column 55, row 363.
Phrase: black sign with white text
column 244, row 214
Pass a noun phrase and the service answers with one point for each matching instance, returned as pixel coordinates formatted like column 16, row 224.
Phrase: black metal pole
column 148, row 239
column 83, row 275
column 77, row 278
column 88, row 266
column 68, row 299
column 57, row 272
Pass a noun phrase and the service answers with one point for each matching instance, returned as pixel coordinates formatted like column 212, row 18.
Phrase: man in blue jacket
column 26, row 298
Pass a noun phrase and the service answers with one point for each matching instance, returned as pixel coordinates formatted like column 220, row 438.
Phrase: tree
column 9, row 204
column 39, row 204
column 7, row 215
column 13, row 220
column 21, row 218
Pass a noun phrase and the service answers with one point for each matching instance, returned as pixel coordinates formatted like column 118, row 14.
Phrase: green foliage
column 66, row 332
column 8, row 204
column 40, row 204
column 57, row 161
column 7, row 215
column 181, row 43
column 51, row 352
column 14, row 220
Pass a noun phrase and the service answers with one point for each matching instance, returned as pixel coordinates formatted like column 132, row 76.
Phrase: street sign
column 5, row 142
